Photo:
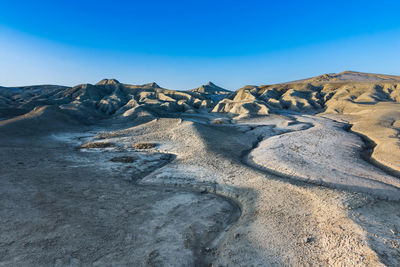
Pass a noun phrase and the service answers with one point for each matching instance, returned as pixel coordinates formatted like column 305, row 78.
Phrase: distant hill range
column 327, row 92
column 108, row 98
column 334, row 93
column 353, row 76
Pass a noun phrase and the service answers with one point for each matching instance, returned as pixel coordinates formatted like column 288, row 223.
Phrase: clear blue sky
column 183, row 44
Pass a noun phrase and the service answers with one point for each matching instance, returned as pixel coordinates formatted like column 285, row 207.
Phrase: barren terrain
column 301, row 173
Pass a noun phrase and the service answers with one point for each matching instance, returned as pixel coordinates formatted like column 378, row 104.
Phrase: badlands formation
column 111, row 174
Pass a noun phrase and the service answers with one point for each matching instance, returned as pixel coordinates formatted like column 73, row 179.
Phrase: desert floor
column 284, row 189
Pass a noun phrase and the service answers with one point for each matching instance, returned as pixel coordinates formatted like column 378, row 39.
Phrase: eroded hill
column 371, row 102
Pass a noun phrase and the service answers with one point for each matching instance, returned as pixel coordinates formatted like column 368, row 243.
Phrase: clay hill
column 368, row 101
column 107, row 99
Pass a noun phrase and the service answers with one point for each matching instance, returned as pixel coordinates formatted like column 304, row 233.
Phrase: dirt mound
column 143, row 145
column 97, row 145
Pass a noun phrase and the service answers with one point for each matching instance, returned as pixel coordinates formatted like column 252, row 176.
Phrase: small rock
column 308, row 240
column 204, row 191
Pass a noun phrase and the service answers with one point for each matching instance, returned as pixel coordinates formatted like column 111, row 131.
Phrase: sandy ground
column 64, row 207
column 175, row 204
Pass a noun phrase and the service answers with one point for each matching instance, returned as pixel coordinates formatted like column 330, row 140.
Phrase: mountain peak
column 210, row 88
column 153, row 85
column 211, row 84
column 108, row 82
